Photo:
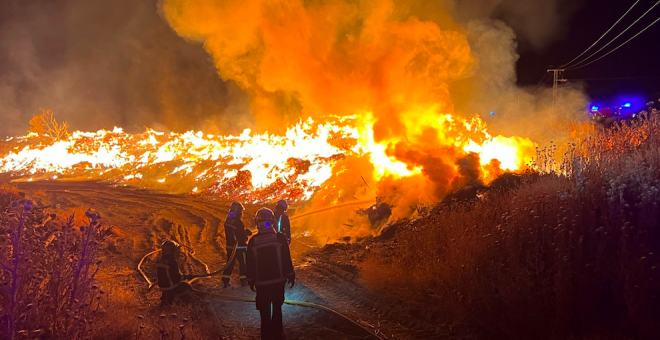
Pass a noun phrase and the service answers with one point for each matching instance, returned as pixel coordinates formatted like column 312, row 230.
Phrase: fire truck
column 620, row 108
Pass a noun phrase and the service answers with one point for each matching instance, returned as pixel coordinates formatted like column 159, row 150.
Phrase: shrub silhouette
column 48, row 270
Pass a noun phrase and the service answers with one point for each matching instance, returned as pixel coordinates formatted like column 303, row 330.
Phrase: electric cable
column 605, row 55
column 615, row 38
column 601, row 37
column 539, row 85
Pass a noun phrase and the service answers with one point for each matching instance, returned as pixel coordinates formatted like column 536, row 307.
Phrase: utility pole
column 558, row 76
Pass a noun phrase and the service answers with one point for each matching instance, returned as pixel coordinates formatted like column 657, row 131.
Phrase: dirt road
column 146, row 218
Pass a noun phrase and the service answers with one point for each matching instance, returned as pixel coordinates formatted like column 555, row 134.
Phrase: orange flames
column 293, row 165
column 374, row 79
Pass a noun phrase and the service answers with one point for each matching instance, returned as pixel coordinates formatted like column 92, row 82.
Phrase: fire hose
column 193, row 277
column 231, row 258
column 329, row 208
column 295, row 303
column 240, row 299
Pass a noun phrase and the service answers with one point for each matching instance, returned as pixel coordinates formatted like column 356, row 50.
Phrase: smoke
column 102, row 63
column 325, row 57
column 410, row 65
column 516, row 111
column 537, row 22
column 413, row 66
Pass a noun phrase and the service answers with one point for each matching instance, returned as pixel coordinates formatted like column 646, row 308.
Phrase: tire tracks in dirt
column 148, row 218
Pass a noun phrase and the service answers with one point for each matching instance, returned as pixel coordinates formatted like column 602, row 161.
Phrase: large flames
column 254, row 167
column 374, row 78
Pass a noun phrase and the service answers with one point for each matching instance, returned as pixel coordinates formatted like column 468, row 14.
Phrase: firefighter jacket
column 169, row 276
column 269, row 259
column 235, row 233
column 283, row 225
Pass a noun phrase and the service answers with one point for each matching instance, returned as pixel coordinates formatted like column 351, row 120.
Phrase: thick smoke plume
column 409, row 65
column 537, row 22
column 517, row 111
column 104, row 63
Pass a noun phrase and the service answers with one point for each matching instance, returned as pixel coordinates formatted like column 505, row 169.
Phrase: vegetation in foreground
column 53, row 284
column 572, row 254
column 567, row 255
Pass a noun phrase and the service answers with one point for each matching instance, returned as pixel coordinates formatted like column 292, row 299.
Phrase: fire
column 182, row 162
column 370, row 81
column 293, row 165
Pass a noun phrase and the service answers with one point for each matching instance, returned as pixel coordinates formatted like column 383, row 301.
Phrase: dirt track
column 147, row 218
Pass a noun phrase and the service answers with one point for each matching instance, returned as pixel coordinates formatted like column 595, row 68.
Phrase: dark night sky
column 636, row 63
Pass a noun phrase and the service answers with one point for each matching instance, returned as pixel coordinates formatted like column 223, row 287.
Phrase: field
column 569, row 252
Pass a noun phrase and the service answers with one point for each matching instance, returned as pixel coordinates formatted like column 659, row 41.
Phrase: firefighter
column 235, row 234
column 269, row 268
column 170, row 280
column 282, row 219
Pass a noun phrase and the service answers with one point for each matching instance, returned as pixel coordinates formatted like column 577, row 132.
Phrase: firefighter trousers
column 182, row 292
column 240, row 257
column 270, row 299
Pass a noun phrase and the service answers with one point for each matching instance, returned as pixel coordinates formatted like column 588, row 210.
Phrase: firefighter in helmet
column 235, row 235
column 170, row 280
column 269, row 268
column 282, row 220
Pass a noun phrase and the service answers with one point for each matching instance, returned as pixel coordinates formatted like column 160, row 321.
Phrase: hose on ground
column 194, row 277
column 240, row 299
column 294, row 303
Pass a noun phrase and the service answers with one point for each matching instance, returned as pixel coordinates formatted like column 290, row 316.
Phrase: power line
column 602, row 36
column 610, row 52
column 615, row 38
column 617, row 78
column 536, row 88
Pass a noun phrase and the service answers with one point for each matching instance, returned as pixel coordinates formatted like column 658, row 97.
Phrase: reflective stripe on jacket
column 269, row 259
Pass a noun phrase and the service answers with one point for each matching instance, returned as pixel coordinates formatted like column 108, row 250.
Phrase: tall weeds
column 572, row 254
column 48, row 267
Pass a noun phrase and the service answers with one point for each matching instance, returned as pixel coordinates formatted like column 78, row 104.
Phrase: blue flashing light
column 594, row 108
column 626, row 105
column 492, row 113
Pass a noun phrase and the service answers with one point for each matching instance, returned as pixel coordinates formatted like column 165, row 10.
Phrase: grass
column 571, row 254
column 49, row 264
column 54, row 283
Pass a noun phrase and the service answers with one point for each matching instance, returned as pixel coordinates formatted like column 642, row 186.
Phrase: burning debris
column 378, row 214
column 249, row 167
column 370, row 83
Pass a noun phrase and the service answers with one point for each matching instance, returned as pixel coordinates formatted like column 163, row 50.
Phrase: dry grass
column 53, row 285
column 127, row 315
column 560, row 257
column 48, row 269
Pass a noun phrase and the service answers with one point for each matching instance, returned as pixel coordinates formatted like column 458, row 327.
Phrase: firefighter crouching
column 282, row 219
column 235, row 234
column 269, row 267
column 170, row 280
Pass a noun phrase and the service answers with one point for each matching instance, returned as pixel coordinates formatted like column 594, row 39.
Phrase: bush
column 49, row 129
column 48, row 270
column 572, row 254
